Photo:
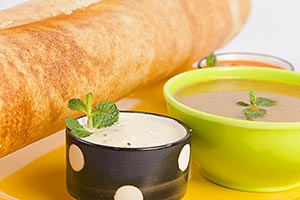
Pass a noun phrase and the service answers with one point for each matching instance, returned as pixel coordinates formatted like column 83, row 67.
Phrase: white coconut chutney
column 136, row 130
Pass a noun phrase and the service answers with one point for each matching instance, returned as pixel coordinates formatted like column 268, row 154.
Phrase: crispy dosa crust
column 109, row 49
column 38, row 10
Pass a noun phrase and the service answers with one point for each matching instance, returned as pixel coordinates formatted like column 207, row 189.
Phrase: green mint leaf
column 77, row 104
column 211, row 60
column 261, row 101
column 102, row 115
column 76, row 128
column 252, row 98
column 89, row 102
column 105, row 114
column 89, row 99
column 254, row 112
column 241, row 103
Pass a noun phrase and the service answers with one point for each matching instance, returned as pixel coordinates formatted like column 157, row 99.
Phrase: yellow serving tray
column 44, row 177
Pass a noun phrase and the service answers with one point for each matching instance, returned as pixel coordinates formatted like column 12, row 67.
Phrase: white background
column 272, row 28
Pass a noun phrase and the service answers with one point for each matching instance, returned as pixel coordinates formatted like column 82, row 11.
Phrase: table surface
column 38, row 171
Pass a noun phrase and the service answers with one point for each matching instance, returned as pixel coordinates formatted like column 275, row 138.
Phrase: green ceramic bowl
column 240, row 154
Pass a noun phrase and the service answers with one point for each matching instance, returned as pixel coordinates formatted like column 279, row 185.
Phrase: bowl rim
column 220, row 119
column 182, row 140
column 260, row 57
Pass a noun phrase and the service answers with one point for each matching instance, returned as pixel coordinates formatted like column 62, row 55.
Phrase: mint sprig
column 254, row 112
column 254, row 109
column 76, row 128
column 211, row 60
column 102, row 115
column 105, row 114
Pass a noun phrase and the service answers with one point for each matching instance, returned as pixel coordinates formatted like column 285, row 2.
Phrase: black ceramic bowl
column 103, row 172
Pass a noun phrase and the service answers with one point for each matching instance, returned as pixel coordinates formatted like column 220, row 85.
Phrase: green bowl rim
column 226, row 120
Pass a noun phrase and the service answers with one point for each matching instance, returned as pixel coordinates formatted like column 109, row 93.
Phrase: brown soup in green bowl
column 245, row 121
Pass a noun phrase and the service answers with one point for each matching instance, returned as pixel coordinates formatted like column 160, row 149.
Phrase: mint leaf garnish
column 76, row 128
column 77, row 104
column 261, row 101
column 102, row 115
column 241, row 103
column 105, row 114
column 253, row 110
column 211, row 60
column 89, row 101
column 252, row 96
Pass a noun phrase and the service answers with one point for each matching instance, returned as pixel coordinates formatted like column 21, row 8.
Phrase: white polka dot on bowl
column 76, row 158
column 128, row 192
column 184, row 157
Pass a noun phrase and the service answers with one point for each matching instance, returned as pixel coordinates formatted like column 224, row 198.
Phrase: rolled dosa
column 37, row 10
column 108, row 48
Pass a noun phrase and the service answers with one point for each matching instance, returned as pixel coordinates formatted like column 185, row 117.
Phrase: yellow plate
column 44, row 177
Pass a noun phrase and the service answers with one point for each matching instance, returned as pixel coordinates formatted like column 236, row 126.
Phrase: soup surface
column 246, row 63
column 219, row 97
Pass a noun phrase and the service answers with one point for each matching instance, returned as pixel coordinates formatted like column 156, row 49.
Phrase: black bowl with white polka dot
column 102, row 172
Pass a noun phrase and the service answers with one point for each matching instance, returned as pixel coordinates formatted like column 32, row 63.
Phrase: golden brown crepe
column 37, row 10
column 108, row 48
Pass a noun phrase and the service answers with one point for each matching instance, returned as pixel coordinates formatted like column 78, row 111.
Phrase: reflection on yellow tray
column 44, row 178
